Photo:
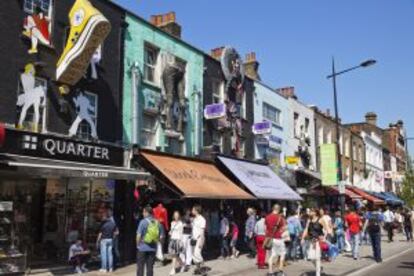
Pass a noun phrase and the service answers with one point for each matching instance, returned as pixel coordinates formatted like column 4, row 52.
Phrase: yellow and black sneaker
column 88, row 29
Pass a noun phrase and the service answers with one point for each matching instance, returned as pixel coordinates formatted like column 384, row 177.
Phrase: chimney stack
column 371, row 118
column 167, row 23
column 216, row 52
column 251, row 66
column 287, row 92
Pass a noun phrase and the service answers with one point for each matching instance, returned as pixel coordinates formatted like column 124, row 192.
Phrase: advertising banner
column 215, row 111
column 264, row 127
column 329, row 165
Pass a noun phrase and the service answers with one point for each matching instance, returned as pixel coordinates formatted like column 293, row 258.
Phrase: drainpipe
column 136, row 81
column 196, row 95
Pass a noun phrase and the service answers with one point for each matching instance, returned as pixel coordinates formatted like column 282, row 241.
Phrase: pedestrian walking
column 104, row 242
column 187, row 252
column 339, row 228
column 372, row 226
column 175, row 245
column 275, row 226
column 354, row 224
column 249, row 233
column 313, row 232
column 234, row 233
column 408, row 227
column 326, row 221
column 389, row 219
column 295, row 230
column 198, row 238
column 225, row 236
column 260, row 234
column 149, row 233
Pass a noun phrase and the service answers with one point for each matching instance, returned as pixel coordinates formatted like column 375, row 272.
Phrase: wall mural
column 233, row 69
column 95, row 60
column 175, row 103
column 37, row 28
column 33, row 96
column 83, row 108
column 88, row 29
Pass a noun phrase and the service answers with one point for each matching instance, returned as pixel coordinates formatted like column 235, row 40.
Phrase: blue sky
column 294, row 41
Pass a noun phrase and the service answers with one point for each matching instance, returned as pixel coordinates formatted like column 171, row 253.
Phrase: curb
column 358, row 272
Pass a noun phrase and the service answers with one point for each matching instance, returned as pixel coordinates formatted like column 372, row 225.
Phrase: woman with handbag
column 314, row 233
column 260, row 234
column 175, row 246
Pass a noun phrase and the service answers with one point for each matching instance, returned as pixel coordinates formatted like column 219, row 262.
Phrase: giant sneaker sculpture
column 88, row 29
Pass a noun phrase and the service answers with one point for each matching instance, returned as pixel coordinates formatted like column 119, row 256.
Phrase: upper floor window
column 321, row 136
column 31, row 101
column 150, row 62
column 31, row 5
column 217, row 91
column 85, row 127
column 307, row 125
column 347, row 147
column 271, row 113
column 37, row 23
column 295, row 124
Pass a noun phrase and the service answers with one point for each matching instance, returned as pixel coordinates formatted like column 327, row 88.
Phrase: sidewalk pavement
column 243, row 266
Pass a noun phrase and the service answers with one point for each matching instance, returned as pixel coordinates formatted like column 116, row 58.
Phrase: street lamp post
column 333, row 77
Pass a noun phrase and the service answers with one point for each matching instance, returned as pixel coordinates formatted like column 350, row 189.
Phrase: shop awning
column 392, row 199
column 259, row 179
column 348, row 193
column 195, row 178
column 15, row 165
column 372, row 199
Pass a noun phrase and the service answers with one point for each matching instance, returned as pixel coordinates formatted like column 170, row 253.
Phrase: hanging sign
column 275, row 142
column 329, row 165
column 215, row 111
column 292, row 160
column 264, row 127
column 341, row 187
column 262, row 141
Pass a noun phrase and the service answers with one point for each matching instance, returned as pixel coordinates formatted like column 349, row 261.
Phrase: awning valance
column 348, row 193
column 259, row 179
column 372, row 199
column 194, row 178
column 18, row 165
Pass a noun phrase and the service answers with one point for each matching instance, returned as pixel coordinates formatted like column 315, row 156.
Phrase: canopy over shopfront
column 389, row 198
column 259, row 179
column 370, row 198
column 194, row 178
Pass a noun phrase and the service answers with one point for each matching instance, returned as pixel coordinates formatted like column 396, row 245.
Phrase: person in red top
column 275, row 226
column 354, row 223
column 161, row 214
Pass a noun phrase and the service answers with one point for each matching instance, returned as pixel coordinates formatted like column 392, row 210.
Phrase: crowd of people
column 273, row 239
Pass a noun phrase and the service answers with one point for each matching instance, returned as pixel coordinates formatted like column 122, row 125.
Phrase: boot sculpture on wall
column 173, row 79
column 88, row 29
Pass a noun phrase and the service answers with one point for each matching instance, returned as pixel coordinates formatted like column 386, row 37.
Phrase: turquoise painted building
column 148, row 52
column 271, row 106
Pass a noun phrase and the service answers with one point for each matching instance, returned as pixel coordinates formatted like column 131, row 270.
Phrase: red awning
column 350, row 194
column 370, row 198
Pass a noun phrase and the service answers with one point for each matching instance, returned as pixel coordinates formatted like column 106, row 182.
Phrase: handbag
column 286, row 236
column 267, row 243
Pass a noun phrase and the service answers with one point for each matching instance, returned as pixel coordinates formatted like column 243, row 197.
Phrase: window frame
column 49, row 13
column 295, row 124
column 88, row 134
column 43, row 111
column 266, row 107
column 150, row 47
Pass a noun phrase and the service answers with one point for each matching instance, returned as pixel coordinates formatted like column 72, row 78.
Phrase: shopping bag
column 159, row 255
column 348, row 247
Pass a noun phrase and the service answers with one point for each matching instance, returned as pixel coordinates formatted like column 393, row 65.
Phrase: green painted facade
column 138, row 34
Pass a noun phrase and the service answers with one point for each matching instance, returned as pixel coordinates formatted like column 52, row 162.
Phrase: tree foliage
column 407, row 193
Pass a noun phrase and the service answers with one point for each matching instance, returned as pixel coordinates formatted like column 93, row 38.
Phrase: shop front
column 58, row 190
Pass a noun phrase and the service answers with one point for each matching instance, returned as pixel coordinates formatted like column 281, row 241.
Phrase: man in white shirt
column 389, row 219
column 198, row 237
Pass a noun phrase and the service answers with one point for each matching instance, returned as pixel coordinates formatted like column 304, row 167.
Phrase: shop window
column 150, row 62
column 26, row 107
column 295, row 125
column 271, row 113
column 148, row 133
column 85, row 130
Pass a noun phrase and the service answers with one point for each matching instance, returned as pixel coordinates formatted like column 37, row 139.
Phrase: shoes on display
column 88, row 29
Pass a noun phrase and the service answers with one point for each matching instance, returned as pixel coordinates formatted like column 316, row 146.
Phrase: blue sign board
column 264, row 127
column 215, row 111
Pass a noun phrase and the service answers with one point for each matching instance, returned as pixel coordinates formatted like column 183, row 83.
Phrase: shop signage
column 341, row 187
column 215, row 111
column 329, row 165
column 95, row 174
column 388, row 174
column 262, row 141
column 292, row 160
column 6, row 206
column 60, row 148
column 264, row 127
column 152, row 100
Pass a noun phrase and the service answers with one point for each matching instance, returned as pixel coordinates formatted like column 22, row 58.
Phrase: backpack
column 152, row 235
column 374, row 223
